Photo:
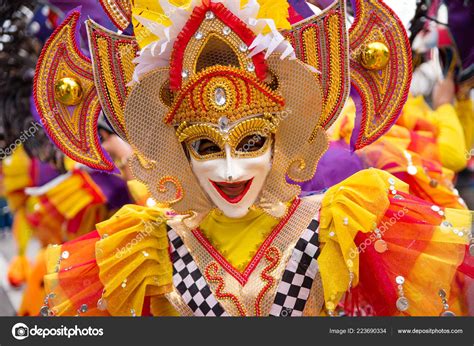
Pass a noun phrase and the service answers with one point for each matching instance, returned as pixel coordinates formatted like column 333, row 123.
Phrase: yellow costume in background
column 448, row 131
column 417, row 149
column 465, row 111
column 16, row 177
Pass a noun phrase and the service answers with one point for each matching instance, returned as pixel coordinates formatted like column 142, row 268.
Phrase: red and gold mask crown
column 195, row 62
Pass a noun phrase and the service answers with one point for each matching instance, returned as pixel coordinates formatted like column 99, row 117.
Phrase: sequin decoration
column 402, row 302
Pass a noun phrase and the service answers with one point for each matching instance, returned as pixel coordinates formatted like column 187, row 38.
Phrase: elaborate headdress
column 203, row 66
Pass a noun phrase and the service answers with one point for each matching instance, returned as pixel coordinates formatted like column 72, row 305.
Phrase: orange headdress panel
column 378, row 53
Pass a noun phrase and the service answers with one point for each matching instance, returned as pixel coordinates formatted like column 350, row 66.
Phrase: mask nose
column 229, row 164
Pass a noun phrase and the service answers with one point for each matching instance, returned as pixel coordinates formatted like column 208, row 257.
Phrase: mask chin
column 233, row 184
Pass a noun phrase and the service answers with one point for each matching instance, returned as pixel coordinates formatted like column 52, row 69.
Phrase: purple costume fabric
column 337, row 164
column 89, row 9
column 301, row 7
column 113, row 187
column 324, row 3
column 45, row 172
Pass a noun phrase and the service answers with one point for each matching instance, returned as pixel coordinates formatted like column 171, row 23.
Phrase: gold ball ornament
column 375, row 56
column 68, row 91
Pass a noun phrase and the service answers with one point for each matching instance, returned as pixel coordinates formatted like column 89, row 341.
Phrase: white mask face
column 233, row 184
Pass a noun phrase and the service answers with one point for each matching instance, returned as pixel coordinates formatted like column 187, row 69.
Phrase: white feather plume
column 158, row 53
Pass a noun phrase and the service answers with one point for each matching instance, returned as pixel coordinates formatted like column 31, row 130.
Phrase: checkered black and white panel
column 295, row 285
column 189, row 282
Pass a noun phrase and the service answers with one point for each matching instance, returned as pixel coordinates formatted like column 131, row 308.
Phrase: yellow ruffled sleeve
column 122, row 269
column 133, row 258
column 414, row 109
column 357, row 204
column 391, row 253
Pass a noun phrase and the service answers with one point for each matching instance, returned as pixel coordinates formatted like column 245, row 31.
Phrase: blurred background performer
column 52, row 198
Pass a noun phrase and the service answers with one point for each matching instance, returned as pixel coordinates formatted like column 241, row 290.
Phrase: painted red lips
column 232, row 192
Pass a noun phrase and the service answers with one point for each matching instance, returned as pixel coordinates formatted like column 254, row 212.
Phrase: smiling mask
column 232, row 169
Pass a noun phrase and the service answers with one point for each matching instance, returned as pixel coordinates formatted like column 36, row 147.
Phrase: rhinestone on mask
column 209, row 15
column 198, row 35
column 224, row 124
column 220, row 97
column 226, row 30
column 243, row 47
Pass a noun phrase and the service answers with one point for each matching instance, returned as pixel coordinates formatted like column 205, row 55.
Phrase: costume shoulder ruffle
column 120, row 269
column 389, row 253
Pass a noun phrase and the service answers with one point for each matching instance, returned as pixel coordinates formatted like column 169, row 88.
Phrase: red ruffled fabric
column 427, row 258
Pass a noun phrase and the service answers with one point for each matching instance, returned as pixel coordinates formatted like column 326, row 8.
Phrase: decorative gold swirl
column 144, row 162
column 177, row 185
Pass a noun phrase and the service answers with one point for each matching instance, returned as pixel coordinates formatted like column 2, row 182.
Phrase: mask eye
column 205, row 147
column 251, row 143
